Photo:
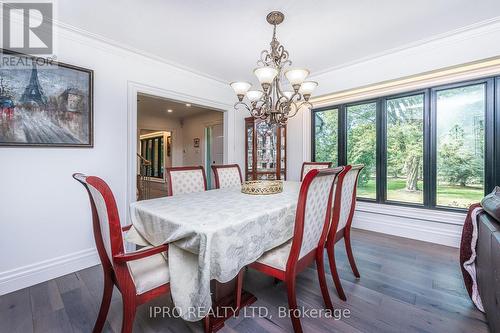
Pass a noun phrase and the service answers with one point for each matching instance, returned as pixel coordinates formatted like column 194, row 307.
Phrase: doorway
column 174, row 134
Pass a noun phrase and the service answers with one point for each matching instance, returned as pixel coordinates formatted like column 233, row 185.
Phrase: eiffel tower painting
column 44, row 103
column 33, row 93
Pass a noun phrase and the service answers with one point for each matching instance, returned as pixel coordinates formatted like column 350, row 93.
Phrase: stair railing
column 144, row 179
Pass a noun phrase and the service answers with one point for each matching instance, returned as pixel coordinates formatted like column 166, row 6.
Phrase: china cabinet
column 265, row 150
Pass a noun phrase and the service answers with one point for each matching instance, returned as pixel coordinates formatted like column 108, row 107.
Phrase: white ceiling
column 152, row 106
column 224, row 38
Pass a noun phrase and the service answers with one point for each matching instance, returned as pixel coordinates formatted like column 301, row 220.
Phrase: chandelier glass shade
column 283, row 89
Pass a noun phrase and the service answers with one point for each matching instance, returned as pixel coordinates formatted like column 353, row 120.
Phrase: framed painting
column 44, row 103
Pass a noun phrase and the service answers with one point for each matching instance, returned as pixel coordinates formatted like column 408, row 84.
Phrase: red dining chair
column 188, row 179
column 343, row 212
column 312, row 221
column 140, row 276
column 227, row 175
column 308, row 166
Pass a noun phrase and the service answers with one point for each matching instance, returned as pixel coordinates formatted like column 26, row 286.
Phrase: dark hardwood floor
column 405, row 286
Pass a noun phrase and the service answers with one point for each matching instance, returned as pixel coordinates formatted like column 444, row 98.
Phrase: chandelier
column 276, row 100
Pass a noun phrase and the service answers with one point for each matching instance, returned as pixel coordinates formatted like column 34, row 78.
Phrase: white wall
column 44, row 214
column 194, row 127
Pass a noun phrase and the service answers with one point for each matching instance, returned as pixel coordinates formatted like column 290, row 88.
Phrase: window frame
column 377, row 154
column 383, row 146
column 313, row 131
column 491, row 153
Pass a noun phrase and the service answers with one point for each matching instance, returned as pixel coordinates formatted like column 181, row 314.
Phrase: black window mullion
column 429, row 187
column 313, row 131
column 489, row 140
column 432, row 149
column 381, row 151
column 313, row 135
column 342, row 135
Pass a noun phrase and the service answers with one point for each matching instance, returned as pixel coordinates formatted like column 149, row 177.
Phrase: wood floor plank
column 53, row 322
column 93, row 279
column 15, row 312
column 45, row 298
column 69, row 282
column 80, row 308
column 47, row 307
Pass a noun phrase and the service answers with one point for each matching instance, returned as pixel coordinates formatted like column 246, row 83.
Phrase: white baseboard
column 432, row 226
column 30, row 275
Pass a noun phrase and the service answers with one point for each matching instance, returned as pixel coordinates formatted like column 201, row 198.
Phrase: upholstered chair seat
column 149, row 273
column 277, row 257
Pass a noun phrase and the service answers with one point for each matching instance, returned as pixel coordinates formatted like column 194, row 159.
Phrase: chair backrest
column 189, row 179
column 345, row 198
column 308, row 166
column 105, row 218
column 228, row 175
column 313, row 213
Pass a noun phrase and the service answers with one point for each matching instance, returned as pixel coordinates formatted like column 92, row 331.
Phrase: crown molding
column 128, row 48
column 68, row 28
column 463, row 33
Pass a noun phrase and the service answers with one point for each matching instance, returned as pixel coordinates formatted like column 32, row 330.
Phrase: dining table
column 212, row 236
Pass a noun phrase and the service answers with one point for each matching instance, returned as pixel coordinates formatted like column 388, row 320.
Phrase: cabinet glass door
column 265, row 150
column 266, row 147
column 249, row 152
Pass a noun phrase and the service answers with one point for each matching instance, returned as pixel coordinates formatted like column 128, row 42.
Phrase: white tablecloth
column 212, row 235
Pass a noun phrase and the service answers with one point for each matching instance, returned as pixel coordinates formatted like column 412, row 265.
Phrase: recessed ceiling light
column 170, row 110
column 188, row 105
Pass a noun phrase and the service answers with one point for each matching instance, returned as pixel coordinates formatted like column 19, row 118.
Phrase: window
column 361, row 145
column 405, row 148
column 433, row 148
column 460, row 114
column 325, row 126
column 152, row 150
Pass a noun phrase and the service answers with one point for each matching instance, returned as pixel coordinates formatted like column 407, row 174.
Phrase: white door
column 214, row 138
column 217, row 145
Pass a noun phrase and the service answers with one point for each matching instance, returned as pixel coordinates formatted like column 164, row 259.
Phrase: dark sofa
column 488, row 267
